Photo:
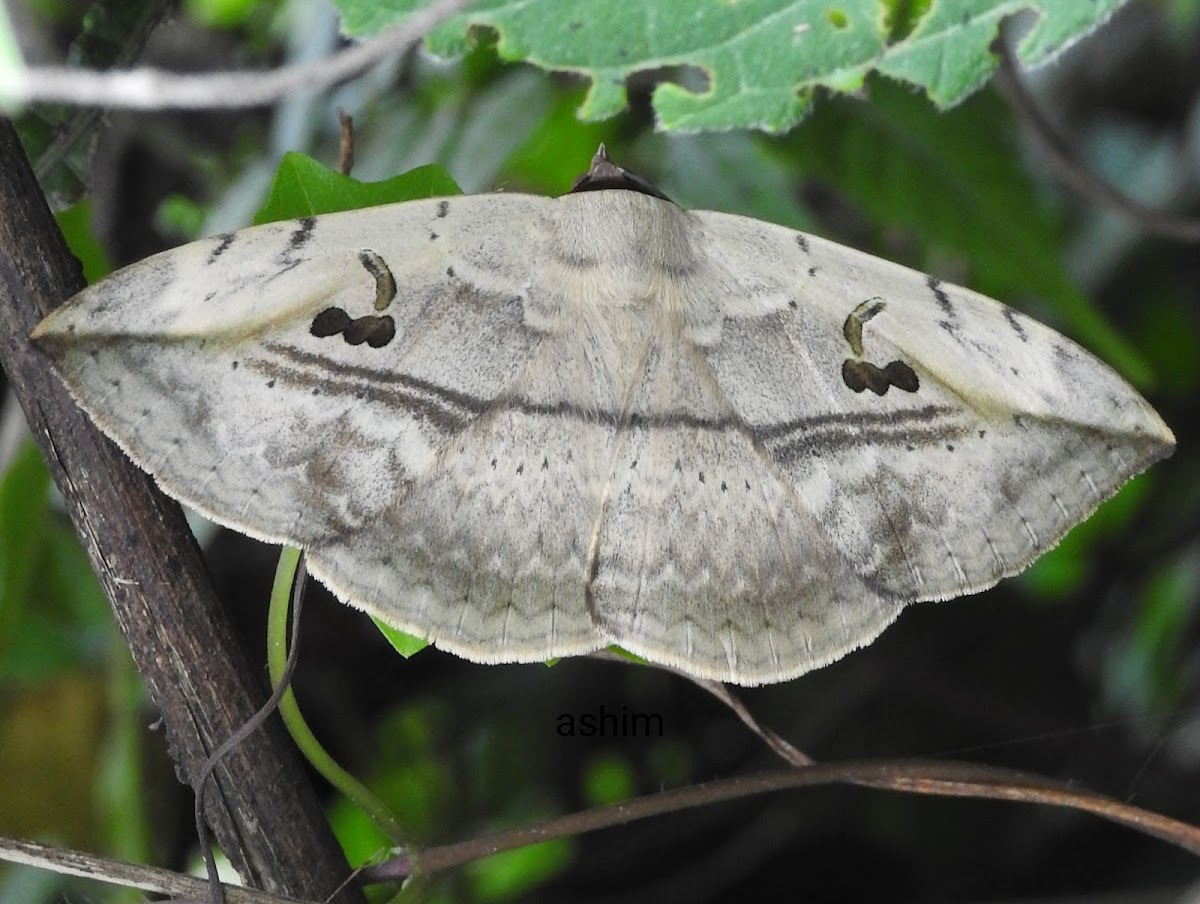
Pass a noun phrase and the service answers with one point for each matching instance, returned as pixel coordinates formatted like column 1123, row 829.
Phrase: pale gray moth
column 527, row 427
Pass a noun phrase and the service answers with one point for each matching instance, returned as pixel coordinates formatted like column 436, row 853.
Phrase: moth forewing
column 524, row 427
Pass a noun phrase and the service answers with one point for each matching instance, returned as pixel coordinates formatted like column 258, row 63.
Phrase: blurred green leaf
column 557, row 150
column 736, row 172
column 410, row 775
column 221, row 13
column 751, row 64
column 1146, row 676
column 181, row 217
column 24, row 511
column 1064, row 568
column 120, row 777
column 670, row 763
column 76, row 225
column 361, row 839
column 608, row 779
column 507, row 876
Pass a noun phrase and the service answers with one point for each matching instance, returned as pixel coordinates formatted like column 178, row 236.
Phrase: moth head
column 603, row 175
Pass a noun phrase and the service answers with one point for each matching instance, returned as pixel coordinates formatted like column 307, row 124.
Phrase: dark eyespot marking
column 376, row 331
column 812, row 271
column 443, row 208
column 902, row 376
column 329, row 322
column 862, row 375
column 802, row 241
column 385, row 283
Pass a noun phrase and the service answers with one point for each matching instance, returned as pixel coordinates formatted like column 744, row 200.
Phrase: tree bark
column 266, row 816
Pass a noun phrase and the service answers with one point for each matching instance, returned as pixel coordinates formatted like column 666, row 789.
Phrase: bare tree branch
column 153, row 89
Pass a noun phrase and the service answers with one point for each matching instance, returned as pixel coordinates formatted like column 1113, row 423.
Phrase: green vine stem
column 310, row 747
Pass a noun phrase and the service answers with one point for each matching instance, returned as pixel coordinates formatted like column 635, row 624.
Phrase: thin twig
column 128, row 875
column 346, row 149
column 1065, row 162
column 788, row 753
column 154, row 89
column 216, row 889
column 940, row 778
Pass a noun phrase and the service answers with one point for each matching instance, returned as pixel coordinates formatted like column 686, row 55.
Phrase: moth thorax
column 625, row 233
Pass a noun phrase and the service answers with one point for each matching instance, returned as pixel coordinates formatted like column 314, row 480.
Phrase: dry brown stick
column 266, row 817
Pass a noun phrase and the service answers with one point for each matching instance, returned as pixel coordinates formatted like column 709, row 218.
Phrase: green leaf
column 221, row 13
column 24, row 502
column 1061, row 570
column 509, row 875
column 76, row 225
column 608, row 779
column 754, row 63
column 405, row 644
column 303, row 188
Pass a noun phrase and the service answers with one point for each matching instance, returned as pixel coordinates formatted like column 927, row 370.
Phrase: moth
column 525, row 427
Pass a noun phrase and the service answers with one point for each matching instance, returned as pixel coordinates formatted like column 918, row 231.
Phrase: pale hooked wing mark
column 859, row 374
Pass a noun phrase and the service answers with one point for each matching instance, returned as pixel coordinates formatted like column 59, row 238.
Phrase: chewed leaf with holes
column 753, row 63
column 526, row 427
